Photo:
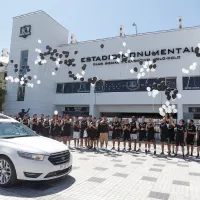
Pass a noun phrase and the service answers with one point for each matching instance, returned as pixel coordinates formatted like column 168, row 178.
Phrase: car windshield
column 14, row 129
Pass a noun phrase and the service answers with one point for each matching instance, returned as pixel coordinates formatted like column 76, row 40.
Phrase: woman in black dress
column 52, row 128
column 180, row 136
column 66, row 130
column 58, row 128
column 126, row 135
column 171, row 134
column 46, row 127
column 151, row 135
column 93, row 133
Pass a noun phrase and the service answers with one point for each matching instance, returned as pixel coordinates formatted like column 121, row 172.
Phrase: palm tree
column 2, row 95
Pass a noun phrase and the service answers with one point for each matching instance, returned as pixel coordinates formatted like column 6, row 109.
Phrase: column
column 94, row 111
column 180, row 111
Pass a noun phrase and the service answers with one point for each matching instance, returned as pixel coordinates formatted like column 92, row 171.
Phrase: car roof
column 5, row 118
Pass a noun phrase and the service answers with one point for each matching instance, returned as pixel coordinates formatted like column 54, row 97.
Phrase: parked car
column 24, row 155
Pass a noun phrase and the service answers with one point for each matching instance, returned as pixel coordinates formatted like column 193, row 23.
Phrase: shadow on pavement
column 33, row 190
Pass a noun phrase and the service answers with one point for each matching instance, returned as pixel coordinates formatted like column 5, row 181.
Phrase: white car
column 24, row 155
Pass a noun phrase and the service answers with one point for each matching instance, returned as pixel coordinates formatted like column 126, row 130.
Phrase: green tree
column 2, row 95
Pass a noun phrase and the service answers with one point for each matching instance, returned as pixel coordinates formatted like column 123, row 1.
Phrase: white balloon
column 53, row 73
column 11, row 80
column 132, row 58
column 44, row 61
column 164, row 106
column 187, row 71
column 21, row 82
column 141, row 69
column 32, row 85
column 143, row 74
column 38, row 81
column 160, row 109
column 199, row 45
column 120, row 52
column 55, row 112
column 183, row 70
column 126, row 54
column 39, row 41
column 150, row 62
column 25, row 75
column 149, row 93
column 173, row 106
column 128, row 51
column 36, row 62
column 148, row 89
column 132, row 71
column 194, row 64
column 146, row 62
column 16, row 80
column 6, row 78
column 111, row 57
column 147, row 69
column 57, row 62
column 83, row 72
column 153, row 70
column 124, row 44
column 35, row 77
column 22, row 78
column 118, row 60
column 145, row 66
column 10, row 77
column 179, row 96
column 139, row 76
column 175, row 111
column 167, row 103
column 191, row 67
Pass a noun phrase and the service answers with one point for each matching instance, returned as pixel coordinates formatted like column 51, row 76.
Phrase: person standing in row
column 83, row 133
column 104, row 129
column 34, row 123
column 164, row 138
column 52, row 129
column 98, row 130
column 133, row 131
column 88, row 131
column 76, row 132
column 171, row 135
column 126, row 135
column 180, row 136
column 26, row 121
column 191, row 132
column 151, row 135
column 142, row 133
column 58, row 128
column 46, row 126
column 66, row 126
column 40, row 125
column 93, row 133
column 117, row 130
column 18, row 118
column 198, row 141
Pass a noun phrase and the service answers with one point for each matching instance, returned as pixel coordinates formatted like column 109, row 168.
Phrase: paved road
column 118, row 176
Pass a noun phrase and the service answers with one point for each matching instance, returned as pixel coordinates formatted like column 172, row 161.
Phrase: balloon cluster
column 172, row 94
column 196, row 50
column 94, row 80
column 16, row 67
column 191, row 67
column 167, row 108
column 144, row 66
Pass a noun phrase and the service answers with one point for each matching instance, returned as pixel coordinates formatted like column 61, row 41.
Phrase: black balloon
column 90, row 80
column 16, row 65
column 175, row 91
column 61, row 62
column 51, row 58
column 28, row 70
column 75, row 78
column 57, row 54
column 55, row 50
column 168, row 97
column 95, row 78
column 41, row 54
column 66, row 56
column 196, row 50
column 54, row 59
column 47, row 47
column 141, row 62
column 167, row 92
column 60, row 56
column 102, row 46
column 70, row 72
column 81, row 79
column 135, row 69
column 73, row 65
column 56, row 68
column 52, row 54
column 20, row 70
column 150, row 66
column 29, row 77
column 25, row 81
column 16, row 70
column 11, row 61
column 27, row 67
column 154, row 60
column 40, row 63
column 75, row 52
column 154, row 66
column 83, row 67
column 173, row 96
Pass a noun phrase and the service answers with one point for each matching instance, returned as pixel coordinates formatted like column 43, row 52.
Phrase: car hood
column 35, row 144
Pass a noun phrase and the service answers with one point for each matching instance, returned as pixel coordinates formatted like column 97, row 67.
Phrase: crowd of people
column 92, row 133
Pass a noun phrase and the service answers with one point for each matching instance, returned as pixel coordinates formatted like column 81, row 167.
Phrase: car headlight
column 31, row 156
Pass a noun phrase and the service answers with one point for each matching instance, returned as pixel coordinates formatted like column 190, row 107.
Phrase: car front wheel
column 7, row 172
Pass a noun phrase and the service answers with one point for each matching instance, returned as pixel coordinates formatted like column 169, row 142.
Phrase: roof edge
column 37, row 12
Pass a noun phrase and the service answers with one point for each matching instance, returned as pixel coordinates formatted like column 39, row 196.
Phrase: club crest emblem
column 25, row 31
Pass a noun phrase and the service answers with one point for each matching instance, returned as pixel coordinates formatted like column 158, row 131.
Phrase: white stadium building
column 120, row 93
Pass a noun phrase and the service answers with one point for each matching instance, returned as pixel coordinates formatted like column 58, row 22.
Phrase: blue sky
column 94, row 19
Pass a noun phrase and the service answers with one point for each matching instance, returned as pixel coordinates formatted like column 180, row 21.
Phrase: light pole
column 134, row 24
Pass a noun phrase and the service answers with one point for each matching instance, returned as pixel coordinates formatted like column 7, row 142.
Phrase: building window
column 22, row 72
column 77, row 87
column 133, row 85
column 191, row 83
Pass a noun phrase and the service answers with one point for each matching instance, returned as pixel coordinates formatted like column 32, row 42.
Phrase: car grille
column 59, row 158
column 58, row 173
